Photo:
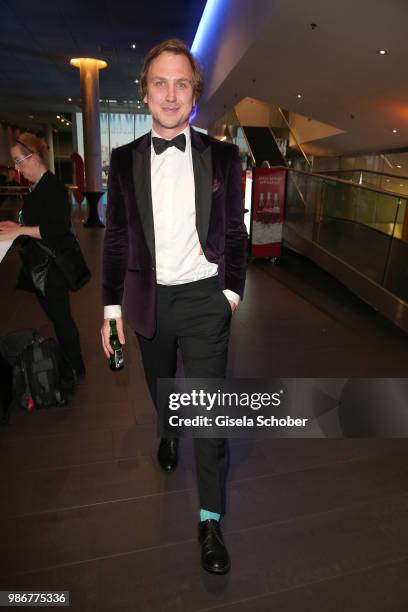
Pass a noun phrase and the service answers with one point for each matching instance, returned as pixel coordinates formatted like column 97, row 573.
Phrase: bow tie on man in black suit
column 161, row 144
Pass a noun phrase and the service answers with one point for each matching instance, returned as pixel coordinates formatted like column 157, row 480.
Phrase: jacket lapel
column 202, row 167
column 143, row 190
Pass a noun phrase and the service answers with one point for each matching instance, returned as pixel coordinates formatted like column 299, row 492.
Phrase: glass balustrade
column 364, row 227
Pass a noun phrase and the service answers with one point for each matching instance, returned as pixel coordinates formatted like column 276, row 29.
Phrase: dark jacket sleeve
column 115, row 248
column 236, row 239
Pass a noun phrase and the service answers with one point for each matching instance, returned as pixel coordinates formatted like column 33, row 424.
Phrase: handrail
column 385, row 158
column 397, row 176
column 249, row 147
column 276, row 144
column 246, row 139
column 344, row 182
column 294, row 136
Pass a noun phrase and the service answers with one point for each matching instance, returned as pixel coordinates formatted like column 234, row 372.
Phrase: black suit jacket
column 129, row 266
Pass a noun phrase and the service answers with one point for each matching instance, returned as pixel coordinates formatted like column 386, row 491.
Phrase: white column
column 89, row 75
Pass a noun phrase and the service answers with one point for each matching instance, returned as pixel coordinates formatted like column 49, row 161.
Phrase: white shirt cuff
column 232, row 296
column 112, row 312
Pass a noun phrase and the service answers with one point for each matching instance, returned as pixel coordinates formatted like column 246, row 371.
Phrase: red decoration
column 79, row 177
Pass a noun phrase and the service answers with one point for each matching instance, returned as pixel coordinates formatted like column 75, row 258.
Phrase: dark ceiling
column 37, row 40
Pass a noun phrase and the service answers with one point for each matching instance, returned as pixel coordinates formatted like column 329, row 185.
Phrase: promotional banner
column 267, row 211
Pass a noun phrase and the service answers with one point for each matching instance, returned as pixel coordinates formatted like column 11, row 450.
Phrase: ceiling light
column 401, row 184
column 387, row 180
column 382, row 52
column 299, row 95
column 78, row 61
column 394, row 131
column 132, row 45
column 58, row 116
column 399, row 166
column 69, row 99
column 136, row 80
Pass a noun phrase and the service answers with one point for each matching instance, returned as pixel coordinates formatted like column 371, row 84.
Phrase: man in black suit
column 176, row 246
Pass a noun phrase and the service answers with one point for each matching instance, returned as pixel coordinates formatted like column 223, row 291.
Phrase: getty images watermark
column 217, row 400
column 302, row 407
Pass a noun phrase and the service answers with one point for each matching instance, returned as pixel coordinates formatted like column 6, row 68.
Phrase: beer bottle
column 116, row 361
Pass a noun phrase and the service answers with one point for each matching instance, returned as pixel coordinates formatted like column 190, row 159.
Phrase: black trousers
column 195, row 317
column 57, row 308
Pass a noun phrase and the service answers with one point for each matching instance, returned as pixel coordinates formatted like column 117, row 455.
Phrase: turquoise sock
column 205, row 515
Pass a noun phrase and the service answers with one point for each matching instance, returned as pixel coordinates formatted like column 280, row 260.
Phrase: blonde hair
column 33, row 144
column 178, row 47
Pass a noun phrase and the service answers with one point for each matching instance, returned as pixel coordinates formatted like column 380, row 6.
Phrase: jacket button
column 153, row 268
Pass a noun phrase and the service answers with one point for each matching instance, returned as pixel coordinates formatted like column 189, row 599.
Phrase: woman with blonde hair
column 44, row 221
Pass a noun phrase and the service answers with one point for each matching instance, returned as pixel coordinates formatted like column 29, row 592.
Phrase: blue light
column 206, row 24
column 193, row 113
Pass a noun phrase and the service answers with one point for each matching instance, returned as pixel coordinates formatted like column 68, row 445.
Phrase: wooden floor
column 312, row 525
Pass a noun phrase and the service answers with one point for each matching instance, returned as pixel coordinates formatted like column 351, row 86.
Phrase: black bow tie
column 160, row 144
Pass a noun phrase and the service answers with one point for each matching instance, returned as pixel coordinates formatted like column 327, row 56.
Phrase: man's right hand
column 105, row 333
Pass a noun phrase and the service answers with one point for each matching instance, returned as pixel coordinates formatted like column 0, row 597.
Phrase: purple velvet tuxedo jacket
column 129, row 247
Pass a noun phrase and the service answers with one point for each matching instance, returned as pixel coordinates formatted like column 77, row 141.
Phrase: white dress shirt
column 179, row 256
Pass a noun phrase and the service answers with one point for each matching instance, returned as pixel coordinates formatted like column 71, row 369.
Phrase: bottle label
column 118, row 358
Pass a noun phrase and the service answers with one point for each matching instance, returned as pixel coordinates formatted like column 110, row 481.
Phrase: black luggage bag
column 41, row 376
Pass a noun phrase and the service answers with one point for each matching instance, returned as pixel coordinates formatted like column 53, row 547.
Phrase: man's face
column 170, row 93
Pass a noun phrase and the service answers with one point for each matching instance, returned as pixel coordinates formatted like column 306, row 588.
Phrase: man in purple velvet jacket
column 175, row 253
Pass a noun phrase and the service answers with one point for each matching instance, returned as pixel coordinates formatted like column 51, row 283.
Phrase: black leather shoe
column 167, row 455
column 214, row 555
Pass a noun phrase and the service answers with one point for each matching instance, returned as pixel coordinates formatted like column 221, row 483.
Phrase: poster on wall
column 267, row 212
